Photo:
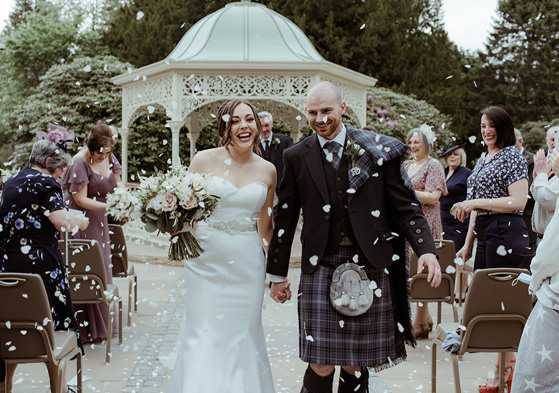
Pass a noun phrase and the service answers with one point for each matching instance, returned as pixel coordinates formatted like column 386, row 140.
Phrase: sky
column 467, row 21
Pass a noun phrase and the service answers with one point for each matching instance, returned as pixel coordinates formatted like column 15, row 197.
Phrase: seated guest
column 32, row 213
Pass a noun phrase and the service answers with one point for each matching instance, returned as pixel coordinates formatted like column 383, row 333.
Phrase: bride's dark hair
column 224, row 116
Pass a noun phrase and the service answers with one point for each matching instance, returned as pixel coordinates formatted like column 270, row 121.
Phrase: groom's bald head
column 323, row 88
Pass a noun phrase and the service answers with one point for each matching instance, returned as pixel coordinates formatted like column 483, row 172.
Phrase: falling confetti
column 472, row 139
column 448, row 77
column 501, row 250
column 362, row 26
column 139, row 15
column 314, row 260
column 375, row 213
column 326, row 208
column 226, row 117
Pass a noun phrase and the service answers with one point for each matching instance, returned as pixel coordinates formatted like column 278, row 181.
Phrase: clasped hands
column 281, row 291
column 462, row 210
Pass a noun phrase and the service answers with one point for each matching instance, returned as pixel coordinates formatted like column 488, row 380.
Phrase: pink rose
column 191, row 203
column 169, row 202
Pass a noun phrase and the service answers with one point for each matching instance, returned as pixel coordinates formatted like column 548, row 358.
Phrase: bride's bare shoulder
column 205, row 160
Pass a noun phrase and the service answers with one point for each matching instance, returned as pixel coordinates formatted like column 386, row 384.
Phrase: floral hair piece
column 428, row 132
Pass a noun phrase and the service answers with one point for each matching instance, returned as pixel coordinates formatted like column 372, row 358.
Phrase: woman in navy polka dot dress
column 496, row 196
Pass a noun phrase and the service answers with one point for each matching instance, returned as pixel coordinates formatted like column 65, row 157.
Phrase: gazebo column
column 297, row 122
column 124, row 132
column 175, row 133
column 193, row 133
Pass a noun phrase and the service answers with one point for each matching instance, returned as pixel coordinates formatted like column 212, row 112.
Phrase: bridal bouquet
column 171, row 203
column 122, row 206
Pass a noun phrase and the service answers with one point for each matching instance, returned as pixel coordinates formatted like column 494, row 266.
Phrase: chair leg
column 434, row 367
column 79, row 371
column 60, row 376
column 130, row 285
column 454, row 312
column 109, row 333
column 459, row 278
column 120, row 321
column 456, row 373
column 501, row 372
column 135, row 292
column 439, row 312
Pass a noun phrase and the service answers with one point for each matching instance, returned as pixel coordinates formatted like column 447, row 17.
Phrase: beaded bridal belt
column 232, row 227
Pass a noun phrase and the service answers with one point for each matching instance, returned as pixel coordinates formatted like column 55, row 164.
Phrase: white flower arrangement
column 122, row 206
column 429, row 134
column 172, row 202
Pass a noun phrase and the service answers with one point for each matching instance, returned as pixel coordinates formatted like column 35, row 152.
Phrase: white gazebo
column 243, row 50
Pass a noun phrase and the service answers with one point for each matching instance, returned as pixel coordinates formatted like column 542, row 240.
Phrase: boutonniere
column 353, row 151
column 275, row 142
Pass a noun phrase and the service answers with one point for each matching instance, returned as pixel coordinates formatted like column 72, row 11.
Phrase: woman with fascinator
column 86, row 184
column 456, row 176
column 427, row 177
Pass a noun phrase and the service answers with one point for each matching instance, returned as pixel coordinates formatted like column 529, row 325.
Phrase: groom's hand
column 280, row 291
column 434, row 269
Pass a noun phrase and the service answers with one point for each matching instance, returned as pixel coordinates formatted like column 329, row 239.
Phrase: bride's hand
column 280, row 291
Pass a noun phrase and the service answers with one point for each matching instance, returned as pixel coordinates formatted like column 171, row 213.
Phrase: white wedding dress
column 222, row 348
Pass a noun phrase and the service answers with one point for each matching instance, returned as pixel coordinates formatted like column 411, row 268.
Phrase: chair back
column 25, row 317
column 420, row 289
column 496, row 310
column 86, row 270
column 119, row 251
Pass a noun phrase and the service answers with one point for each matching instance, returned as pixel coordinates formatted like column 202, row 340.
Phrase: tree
column 520, row 59
column 42, row 42
column 145, row 31
column 77, row 96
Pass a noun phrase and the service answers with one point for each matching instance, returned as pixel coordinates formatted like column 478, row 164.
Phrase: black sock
column 314, row 383
column 349, row 383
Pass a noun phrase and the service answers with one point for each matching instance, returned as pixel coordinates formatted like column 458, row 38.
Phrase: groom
column 360, row 209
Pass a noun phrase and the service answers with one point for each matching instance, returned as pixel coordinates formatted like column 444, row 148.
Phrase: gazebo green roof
column 245, row 31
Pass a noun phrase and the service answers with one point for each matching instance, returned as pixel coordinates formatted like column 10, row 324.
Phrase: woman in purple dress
column 86, row 184
column 456, row 175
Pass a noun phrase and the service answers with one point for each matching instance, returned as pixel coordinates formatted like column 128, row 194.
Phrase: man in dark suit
column 273, row 145
column 358, row 205
column 529, row 208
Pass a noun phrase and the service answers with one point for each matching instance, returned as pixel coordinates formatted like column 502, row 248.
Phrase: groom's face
column 325, row 113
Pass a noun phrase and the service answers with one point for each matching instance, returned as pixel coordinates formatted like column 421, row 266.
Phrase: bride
column 222, row 348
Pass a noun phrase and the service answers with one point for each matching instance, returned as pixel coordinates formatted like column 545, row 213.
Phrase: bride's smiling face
column 243, row 126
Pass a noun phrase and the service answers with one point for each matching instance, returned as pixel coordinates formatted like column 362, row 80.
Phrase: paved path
column 135, row 366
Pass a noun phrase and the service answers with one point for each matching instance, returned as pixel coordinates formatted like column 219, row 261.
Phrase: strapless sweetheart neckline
column 237, row 187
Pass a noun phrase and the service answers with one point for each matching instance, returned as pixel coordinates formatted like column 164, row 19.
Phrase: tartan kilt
column 330, row 338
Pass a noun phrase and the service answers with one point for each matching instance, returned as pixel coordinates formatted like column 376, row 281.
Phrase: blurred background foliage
column 59, row 57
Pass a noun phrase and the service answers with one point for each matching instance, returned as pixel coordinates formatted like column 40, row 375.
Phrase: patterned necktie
column 333, row 148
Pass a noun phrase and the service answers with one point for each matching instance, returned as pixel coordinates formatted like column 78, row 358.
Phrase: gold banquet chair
column 88, row 282
column 421, row 290
column 27, row 332
column 121, row 268
column 495, row 312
